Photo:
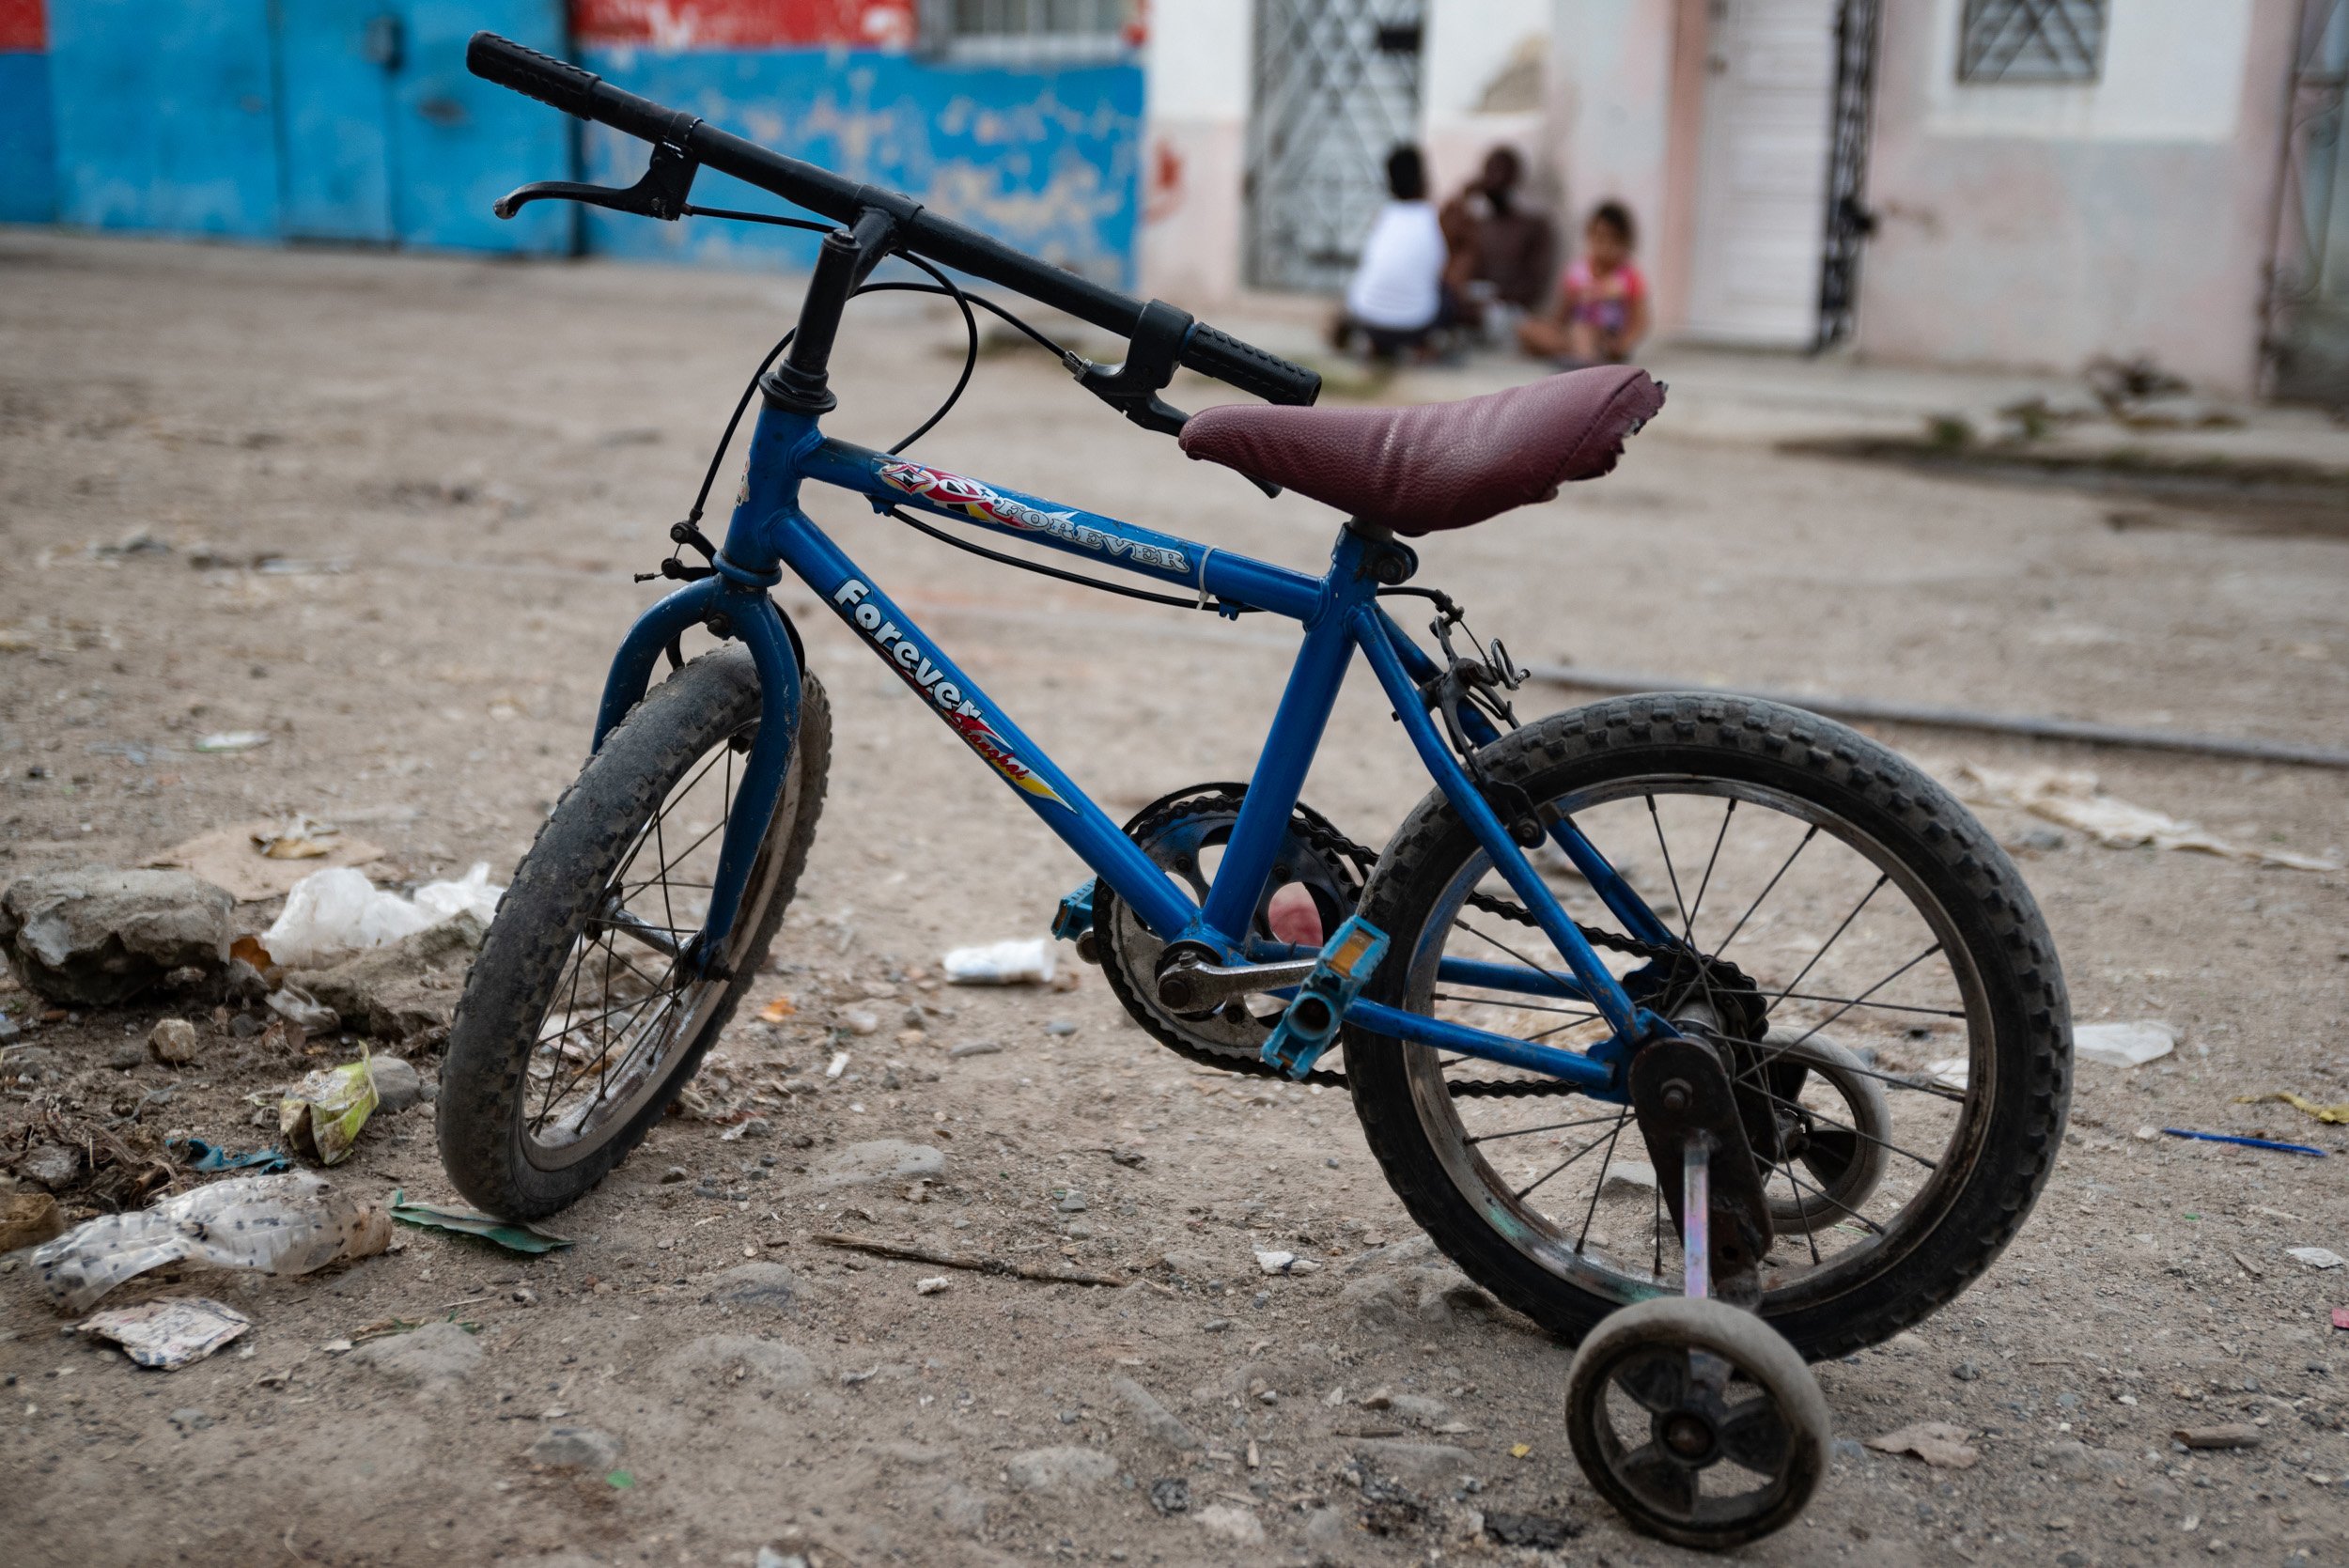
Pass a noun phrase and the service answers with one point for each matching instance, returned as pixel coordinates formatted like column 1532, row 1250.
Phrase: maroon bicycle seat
column 1436, row 465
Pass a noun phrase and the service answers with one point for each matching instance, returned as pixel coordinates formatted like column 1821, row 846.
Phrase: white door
column 1762, row 172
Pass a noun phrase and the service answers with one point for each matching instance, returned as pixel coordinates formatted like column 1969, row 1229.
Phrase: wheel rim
column 620, row 1019
column 1695, row 1442
column 1561, row 1211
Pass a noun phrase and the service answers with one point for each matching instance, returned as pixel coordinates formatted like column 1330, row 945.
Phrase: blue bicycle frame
column 1340, row 613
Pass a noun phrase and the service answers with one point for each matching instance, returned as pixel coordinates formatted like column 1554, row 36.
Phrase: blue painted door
column 163, row 114
column 460, row 143
column 334, row 65
column 389, row 138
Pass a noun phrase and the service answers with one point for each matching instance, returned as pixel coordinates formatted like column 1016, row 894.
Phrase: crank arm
column 1199, row 987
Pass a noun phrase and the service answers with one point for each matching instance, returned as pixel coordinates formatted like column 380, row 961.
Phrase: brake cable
column 688, row 530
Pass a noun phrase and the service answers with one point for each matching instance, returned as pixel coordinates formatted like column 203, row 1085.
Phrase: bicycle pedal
column 1074, row 922
column 1309, row 1027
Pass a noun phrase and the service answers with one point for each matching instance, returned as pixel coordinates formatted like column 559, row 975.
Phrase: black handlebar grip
column 1250, row 369
column 557, row 84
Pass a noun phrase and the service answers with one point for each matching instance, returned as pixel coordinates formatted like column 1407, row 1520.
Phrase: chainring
column 1177, row 832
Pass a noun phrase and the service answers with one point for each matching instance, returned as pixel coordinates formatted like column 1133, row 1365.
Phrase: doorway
column 1336, row 87
column 1761, row 173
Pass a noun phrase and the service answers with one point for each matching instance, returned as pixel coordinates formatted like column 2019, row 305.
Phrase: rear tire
column 502, row 1142
column 1834, row 1291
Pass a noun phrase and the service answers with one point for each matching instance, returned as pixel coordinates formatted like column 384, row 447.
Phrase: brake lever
column 1132, row 387
column 661, row 192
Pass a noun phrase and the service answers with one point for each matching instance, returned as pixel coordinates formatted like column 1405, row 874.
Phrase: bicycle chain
column 1329, row 839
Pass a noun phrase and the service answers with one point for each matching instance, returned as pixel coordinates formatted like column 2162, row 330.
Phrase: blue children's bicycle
column 1704, row 1031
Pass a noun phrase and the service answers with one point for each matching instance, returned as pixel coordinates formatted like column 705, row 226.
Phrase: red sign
column 734, row 24
column 24, row 28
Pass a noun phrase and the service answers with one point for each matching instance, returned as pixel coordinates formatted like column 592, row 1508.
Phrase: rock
column 736, row 1357
column 858, row 1021
column 398, row 1085
column 1430, row 1466
column 762, row 1286
column 190, row 1420
column 403, row 987
column 577, row 1447
column 1233, row 1523
column 129, row 1054
column 1445, row 1294
column 2233, row 1435
column 1966, row 1371
column 242, row 982
column 2075, row 1461
column 1329, row 1537
column 1544, row 1532
column 884, row 1159
column 1170, row 1495
column 28, row 1218
column 1381, row 1300
column 426, row 1358
column 33, row 1063
column 1163, row 1424
column 1630, row 1178
column 52, row 1165
column 174, row 1042
column 304, row 1011
column 1190, row 1263
column 97, row 935
column 1072, row 1202
column 770, row 1557
column 1060, row 1471
column 1420, row 1408
column 1282, row 1262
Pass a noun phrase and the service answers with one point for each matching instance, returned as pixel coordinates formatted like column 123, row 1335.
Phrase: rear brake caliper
column 1310, row 1026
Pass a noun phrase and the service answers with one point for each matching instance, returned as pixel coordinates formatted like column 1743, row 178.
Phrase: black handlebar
column 562, row 86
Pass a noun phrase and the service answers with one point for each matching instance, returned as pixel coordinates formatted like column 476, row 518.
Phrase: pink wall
column 2046, row 252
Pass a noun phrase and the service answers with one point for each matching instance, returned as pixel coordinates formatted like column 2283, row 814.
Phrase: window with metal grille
column 2032, row 41
column 1026, row 31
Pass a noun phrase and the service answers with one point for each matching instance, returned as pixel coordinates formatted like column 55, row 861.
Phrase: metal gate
column 2307, row 340
column 1848, row 220
column 1337, row 88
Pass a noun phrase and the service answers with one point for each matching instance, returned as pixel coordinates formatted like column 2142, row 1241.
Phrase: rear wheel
column 1831, row 888
column 577, row 1027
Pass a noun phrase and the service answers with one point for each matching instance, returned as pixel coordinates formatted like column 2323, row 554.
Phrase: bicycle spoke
column 1886, row 1006
column 1606, row 1159
column 1688, row 931
column 1864, row 996
column 1563, row 1164
column 1882, row 878
column 1758, row 897
column 1546, row 1126
column 1822, row 1197
column 1512, row 952
column 1823, row 1119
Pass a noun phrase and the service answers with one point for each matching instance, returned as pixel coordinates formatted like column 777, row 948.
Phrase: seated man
column 1601, row 312
column 1501, row 254
column 1396, row 298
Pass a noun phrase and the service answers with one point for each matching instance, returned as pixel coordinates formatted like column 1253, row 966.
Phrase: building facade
column 355, row 121
column 2030, row 183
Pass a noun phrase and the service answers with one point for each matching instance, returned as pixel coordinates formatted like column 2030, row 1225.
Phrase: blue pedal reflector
column 1076, row 913
column 1309, row 1027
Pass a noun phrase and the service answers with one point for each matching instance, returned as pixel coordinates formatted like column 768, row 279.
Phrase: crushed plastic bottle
column 337, row 911
column 288, row 1224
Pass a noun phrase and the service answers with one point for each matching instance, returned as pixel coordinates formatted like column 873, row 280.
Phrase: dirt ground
column 457, row 466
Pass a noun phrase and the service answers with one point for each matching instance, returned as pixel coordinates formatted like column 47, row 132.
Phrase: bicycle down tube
column 1339, row 612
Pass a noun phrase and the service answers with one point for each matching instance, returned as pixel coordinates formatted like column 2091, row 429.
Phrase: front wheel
column 1817, row 885
column 576, row 1027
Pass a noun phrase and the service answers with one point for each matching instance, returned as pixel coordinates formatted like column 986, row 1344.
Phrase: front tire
column 577, row 978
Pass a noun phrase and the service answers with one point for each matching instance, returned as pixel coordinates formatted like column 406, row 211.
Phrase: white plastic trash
column 288, row 1224
column 339, row 911
column 1024, row 961
column 2124, row 1045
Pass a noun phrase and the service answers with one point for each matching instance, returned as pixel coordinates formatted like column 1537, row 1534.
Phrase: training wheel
column 1697, row 1420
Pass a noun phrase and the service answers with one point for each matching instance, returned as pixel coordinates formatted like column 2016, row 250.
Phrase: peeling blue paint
column 28, row 156
column 1048, row 160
